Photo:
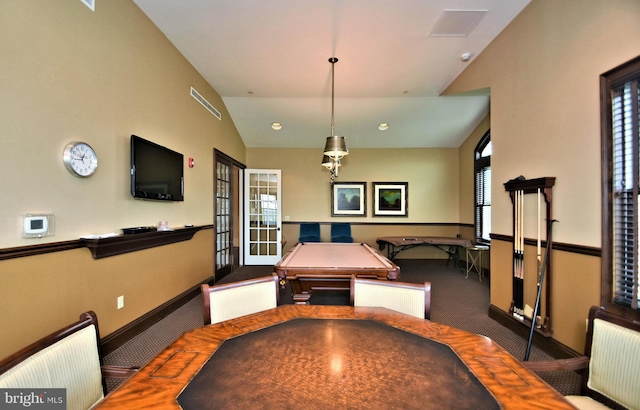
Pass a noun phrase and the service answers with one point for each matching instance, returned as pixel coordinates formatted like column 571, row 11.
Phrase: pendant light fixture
column 335, row 148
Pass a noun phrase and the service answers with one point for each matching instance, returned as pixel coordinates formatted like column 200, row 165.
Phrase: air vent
column 206, row 104
column 457, row 23
column 90, row 3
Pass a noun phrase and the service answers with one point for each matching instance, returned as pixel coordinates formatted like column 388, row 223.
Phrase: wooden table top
column 158, row 384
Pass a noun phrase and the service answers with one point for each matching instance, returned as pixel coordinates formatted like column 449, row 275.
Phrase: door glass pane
column 224, row 252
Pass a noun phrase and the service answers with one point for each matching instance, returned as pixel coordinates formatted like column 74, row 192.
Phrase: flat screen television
column 156, row 171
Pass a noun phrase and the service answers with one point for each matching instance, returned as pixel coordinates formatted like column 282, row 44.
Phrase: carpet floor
column 455, row 301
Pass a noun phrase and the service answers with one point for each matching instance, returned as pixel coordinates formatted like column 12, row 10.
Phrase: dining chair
column 235, row 299
column 610, row 366
column 69, row 359
column 410, row 298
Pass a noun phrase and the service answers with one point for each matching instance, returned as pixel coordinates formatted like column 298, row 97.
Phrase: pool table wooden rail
column 329, row 266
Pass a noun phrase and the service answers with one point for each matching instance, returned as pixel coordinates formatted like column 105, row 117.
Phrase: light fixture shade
column 330, row 163
column 327, row 162
column 335, row 147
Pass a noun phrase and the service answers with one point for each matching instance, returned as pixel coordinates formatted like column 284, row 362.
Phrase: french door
column 262, row 198
column 224, row 221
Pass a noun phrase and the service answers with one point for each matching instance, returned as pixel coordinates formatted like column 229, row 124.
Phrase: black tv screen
column 156, row 171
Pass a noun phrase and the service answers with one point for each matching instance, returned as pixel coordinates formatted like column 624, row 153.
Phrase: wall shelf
column 121, row 244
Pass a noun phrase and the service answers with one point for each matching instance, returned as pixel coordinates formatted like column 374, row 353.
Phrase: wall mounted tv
column 156, row 171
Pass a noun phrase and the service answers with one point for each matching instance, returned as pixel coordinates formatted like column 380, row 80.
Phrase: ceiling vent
column 457, row 23
column 206, row 104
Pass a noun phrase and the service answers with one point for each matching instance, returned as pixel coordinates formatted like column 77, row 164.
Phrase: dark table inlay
column 334, row 363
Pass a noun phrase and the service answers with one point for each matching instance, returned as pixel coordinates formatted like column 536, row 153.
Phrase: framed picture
column 390, row 198
column 349, row 199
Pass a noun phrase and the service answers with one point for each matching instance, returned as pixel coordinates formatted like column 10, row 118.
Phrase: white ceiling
column 268, row 59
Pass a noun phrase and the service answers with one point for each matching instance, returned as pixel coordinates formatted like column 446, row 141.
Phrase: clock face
column 80, row 159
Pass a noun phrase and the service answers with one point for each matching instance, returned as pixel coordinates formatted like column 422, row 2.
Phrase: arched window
column 482, row 170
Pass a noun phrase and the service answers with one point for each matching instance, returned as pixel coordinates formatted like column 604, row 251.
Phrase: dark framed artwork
column 390, row 198
column 349, row 199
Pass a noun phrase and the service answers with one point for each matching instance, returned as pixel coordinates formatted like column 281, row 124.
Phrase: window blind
column 625, row 181
column 483, row 203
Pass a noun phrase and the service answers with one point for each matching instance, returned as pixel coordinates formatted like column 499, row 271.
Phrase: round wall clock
column 80, row 159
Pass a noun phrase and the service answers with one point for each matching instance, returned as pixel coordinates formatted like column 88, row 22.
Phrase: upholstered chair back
column 614, row 366
column 68, row 359
column 409, row 298
column 231, row 300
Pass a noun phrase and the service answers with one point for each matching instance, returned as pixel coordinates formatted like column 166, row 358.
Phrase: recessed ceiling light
column 276, row 126
column 383, row 126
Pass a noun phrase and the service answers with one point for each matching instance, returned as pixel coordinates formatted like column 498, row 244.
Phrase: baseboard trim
column 116, row 339
column 547, row 344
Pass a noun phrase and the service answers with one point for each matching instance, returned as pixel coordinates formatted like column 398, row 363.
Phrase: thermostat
column 37, row 225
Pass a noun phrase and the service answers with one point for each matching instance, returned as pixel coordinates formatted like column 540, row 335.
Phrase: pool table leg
column 301, row 298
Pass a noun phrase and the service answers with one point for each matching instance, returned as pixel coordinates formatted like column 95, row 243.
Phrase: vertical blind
column 626, row 177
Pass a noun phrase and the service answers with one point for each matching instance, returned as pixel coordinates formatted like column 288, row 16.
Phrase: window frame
column 627, row 72
column 480, row 163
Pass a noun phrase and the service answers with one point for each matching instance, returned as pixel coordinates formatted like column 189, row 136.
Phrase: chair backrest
column 231, row 300
column 68, row 358
column 613, row 347
column 341, row 232
column 309, row 232
column 410, row 298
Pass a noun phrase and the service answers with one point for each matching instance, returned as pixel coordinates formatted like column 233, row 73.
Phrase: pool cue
column 537, row 306
column 515, row 234
column 515, row 251
column 539, row 254
column 522, row 236
column 518, row 256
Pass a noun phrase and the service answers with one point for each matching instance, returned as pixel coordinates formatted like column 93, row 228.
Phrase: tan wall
column 101, row 76
column 543, row 71
column 368, row 234
column 432, row 175
column 573, row 277
column 72, row 74
column 40, row 294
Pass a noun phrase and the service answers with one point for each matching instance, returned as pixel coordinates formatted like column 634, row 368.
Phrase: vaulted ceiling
column 269, row 62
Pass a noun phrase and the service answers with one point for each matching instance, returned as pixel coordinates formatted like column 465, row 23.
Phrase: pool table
column 322, row 266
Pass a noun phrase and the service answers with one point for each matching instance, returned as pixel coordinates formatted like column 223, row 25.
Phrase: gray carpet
column 456, row 301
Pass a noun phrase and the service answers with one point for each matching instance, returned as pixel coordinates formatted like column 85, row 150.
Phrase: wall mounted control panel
column 37, row 225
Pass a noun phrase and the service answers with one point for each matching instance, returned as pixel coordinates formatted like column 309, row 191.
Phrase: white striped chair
column 410, row 298
column 610, row 367
column 231, row 300
column 68, row 358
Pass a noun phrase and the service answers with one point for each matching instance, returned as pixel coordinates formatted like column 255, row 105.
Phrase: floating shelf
column 121, row 244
